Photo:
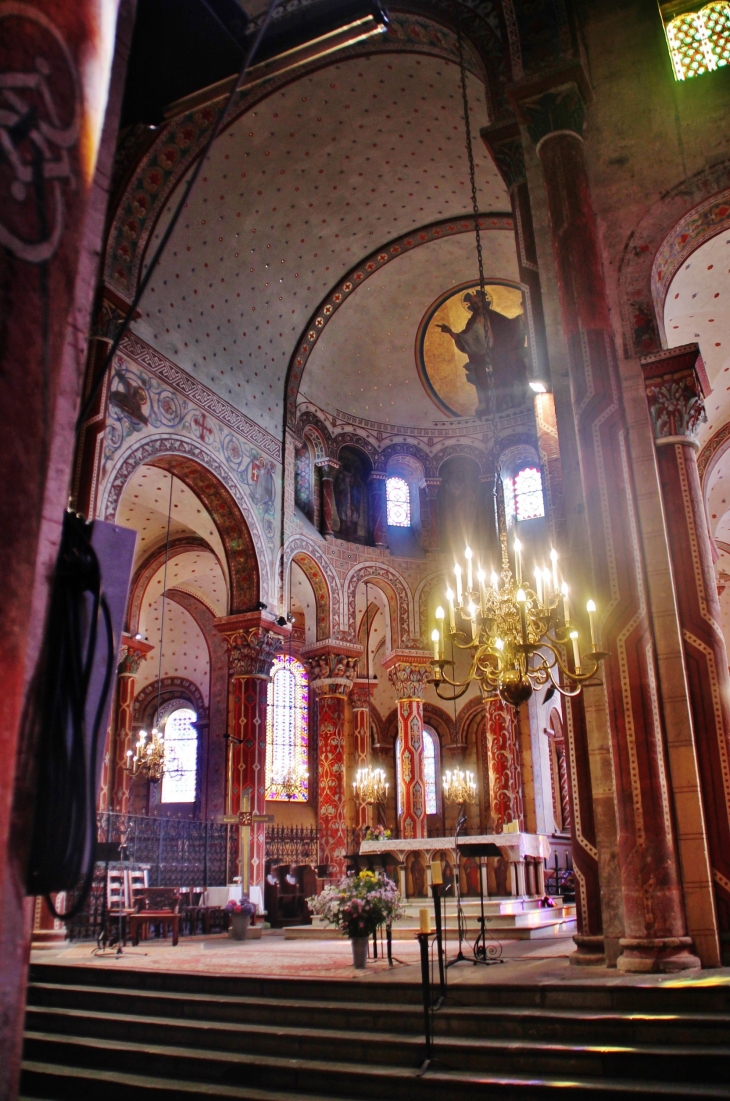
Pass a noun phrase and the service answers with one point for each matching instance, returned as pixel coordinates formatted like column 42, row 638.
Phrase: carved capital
column 409, row 671
column 504, row 143
column 361, row 694
column 676, row 384
column 557, row 110
column 132, row 653
column 332, row 667
column 253, row 641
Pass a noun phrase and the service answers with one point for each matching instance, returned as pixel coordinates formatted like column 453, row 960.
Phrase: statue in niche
column 489, row 339
column 351, row 496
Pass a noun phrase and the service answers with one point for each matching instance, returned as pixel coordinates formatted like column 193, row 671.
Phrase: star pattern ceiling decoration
column 296, row 191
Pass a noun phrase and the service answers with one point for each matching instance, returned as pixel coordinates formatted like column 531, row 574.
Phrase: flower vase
column 239, row 926
column 359, row 952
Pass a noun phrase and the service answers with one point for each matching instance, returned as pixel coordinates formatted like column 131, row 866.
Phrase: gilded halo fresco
column 452, row 357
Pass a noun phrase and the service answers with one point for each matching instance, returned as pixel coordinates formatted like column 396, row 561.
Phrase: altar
column 522, row 856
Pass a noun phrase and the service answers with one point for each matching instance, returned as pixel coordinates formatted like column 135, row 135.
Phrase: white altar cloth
column 221, row 896
column 514, row 847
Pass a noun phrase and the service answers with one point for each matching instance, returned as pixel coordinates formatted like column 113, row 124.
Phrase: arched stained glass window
column 523, row 495
column 287, row 732
column 430, row 770
column 699, row 41
column 181, row 757
column 398, row 502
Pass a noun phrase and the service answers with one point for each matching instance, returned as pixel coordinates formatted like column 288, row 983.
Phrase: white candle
column 566, row 605
column 440, row 625
column 450, row 599
column 469, row 577
column 435, row 641
column 518, row 562
column 538, row 583
column 457, row 574
column 554, row 560
column 576, row 651
column 472, row 612
column 481, row 578
column 591, row 609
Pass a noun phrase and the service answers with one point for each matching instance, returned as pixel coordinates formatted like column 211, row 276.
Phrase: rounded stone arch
column 299, row 544
column 169, row 688
column 440, row 721
column 424, row 592
column 357, row 443
column 231, row 512
column 313, row 572
column 469, row 721
column 390, row 730
column 461, row 451
column 679, row 222
column 148, row 568
column 405, row 451
column 397, row 593
column 310, row 427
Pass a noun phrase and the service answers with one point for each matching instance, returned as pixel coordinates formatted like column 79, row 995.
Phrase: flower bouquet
column 377, row 833
column 357, row 905
column 241, row 911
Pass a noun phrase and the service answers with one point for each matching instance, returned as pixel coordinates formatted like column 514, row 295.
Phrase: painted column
column 581, row 819
column 253, row 641
column 360, row 701
column 654, row 918
column 332, row 669
column 676, row 384
column 430, row 520
column 133, row 652
column 503, row 760
column 505, row 146
column 327, row 473
column 378, row 508
column 408, row 672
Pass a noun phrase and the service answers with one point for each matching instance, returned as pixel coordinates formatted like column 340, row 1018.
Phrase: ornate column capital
column 361, row 694
column 332, row 667
column 409, row 671
column 328, row 467
column 676, row 384
column 132, row 652
column 504, row 144
column 253, row 640
column 557, row 108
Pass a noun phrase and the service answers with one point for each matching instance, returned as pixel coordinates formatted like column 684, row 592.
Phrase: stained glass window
column 398, row 502
column 699, row 41
column 181, row 757
column 528, row 503
column 287, row 731
column 429, row 772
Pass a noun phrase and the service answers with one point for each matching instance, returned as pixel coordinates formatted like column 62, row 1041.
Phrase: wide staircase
column 99, row 1032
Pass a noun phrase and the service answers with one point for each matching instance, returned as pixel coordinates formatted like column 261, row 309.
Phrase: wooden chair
column 157, row 906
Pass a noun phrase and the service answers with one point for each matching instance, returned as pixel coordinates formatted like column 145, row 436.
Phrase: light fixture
column 537, row 386
column 459, row 787
column 370, row 787
column 147, row 759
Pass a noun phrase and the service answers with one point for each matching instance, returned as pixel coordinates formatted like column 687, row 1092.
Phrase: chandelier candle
column 591, row 609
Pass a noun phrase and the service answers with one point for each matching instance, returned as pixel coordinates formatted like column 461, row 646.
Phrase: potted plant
column 356, row 906
column 377, row 833
column 241, row 911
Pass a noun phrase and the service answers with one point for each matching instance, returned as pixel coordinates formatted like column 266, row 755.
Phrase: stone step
column 681, row 1063
column 512, row 1022
column 351, row 1079
column 532, row 925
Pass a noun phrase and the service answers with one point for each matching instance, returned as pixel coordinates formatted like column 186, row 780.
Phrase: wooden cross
column 245, row 819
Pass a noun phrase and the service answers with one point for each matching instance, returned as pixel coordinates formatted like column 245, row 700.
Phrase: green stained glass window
column 699, row 41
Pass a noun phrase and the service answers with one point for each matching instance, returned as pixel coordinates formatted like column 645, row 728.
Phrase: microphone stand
column 460, row 822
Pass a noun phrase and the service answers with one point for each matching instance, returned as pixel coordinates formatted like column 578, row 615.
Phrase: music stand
column 480, row 849
column 108, row 851
column 459, row 957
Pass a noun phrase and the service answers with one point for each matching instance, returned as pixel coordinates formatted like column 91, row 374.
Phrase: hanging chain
column 475, row 211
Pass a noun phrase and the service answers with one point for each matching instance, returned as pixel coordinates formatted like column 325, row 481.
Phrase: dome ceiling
column 296, row 192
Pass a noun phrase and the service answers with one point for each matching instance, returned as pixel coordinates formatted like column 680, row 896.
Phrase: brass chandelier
column 369, row 786
column 459, row 787
column 147, row 759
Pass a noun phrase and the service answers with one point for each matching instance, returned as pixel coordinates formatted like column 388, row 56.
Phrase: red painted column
column 408, row 672
column 654, row 919
column 360, row 701
column 253, row 641
column 332, row 670
column 675, row 391
column 327, row 472
column 134, row 652
column 503, row 758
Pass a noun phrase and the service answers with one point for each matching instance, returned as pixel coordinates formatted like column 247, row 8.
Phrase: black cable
column 144, row 281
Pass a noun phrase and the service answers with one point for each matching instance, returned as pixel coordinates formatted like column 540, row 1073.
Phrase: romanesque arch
column 323, row 580
column 145, row 703
column 396, row 592
column 149, row 567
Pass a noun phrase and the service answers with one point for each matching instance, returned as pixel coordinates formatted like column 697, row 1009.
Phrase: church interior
column 424, row 599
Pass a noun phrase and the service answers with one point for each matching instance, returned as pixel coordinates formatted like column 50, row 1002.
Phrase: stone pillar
column 503, row 760
column 654, row 918
column 360, row 700
column 253, row 640
column 332, row 668
column 133, row 653
column 676, row 384
column 328, row 508
column 378, row 508
column 504, row 143
column 431, row 535
column 408, row 672
column 582, row 824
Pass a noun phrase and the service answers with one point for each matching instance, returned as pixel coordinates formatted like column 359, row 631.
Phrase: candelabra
column 369, row 786
column 517, row 636
column 459, row 787
column 147, row 759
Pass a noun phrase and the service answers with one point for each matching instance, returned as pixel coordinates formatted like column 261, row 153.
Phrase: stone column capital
column 554, row 107
column 409, row 671
column 328, row 467
column 253, row 640
column 361, row 694
column 378, row 476
column 676, row 384
column 132, row 652
column 504, row 144
column 332, row 667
